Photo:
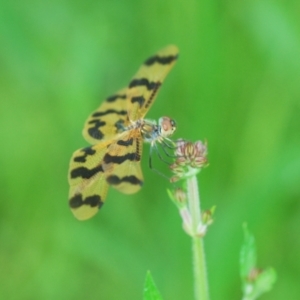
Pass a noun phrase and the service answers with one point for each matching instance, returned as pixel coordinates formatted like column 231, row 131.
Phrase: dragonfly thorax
column 152, row 132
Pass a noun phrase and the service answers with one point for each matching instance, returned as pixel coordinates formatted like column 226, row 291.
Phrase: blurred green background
column 236, row 84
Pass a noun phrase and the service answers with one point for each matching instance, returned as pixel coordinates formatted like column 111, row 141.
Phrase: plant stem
column 200, row 274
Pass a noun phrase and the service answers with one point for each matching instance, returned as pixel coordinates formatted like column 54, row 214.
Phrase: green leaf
column 150, row 290
column 264, row 282
column 248, row 254
column 255, row 281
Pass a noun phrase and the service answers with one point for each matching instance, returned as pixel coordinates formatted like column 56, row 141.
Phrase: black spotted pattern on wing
column 149, row 101
column 108, row 112
column 115, row 97
column 116, row 180
column 120, row 159
column 150, row 85
column 120, row 125
column 137, row 149
column 85, row 173
column 139, row 99
column 125, row 143
column 95, row 131
column 163, row 60
column 93, row 201
column 86, row 152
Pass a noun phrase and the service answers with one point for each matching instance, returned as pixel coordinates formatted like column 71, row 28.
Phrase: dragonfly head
column 167, row 126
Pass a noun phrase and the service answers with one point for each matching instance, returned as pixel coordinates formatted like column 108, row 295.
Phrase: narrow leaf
column 150, row 290
column 248, row 254
column 264, row 282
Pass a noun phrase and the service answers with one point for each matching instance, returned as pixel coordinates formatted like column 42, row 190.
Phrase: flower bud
column 190, row 158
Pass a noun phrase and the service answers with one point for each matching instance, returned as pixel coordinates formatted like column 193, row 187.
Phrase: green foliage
column 248, row 254
column 150, row 290
column 236, row 84
column 255, row 281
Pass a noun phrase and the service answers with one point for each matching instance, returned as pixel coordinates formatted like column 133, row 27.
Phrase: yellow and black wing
column 108, row 119
column 88, row 185
column 93, row 169
column 132, row 103
column 144, row 86
column 115, row 158
column 121, row 163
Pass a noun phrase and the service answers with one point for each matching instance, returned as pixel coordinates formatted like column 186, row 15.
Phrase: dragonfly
column 116, row 131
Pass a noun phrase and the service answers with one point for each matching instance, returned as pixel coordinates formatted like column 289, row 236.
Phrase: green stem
column 200, row 274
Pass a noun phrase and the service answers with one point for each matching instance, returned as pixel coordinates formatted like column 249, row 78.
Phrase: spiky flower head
column 190, row 158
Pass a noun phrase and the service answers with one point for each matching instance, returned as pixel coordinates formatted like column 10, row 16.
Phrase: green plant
column 190, row 159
